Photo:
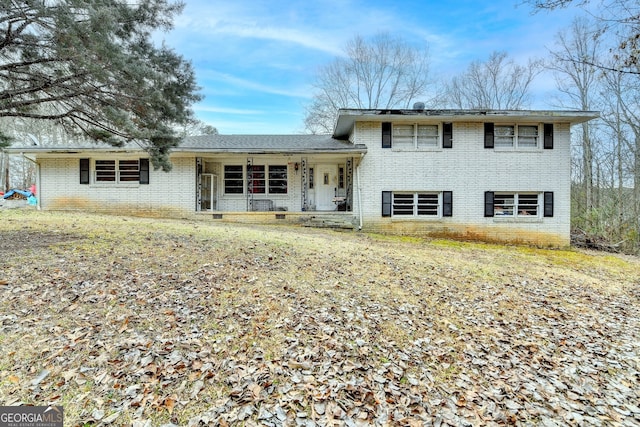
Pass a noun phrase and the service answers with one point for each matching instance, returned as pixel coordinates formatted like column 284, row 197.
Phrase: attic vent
column 418, row 106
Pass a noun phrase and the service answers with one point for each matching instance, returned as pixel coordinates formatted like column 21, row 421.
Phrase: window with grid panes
column 233, row 179
column 522, row 136
column 105, row 171
column 257, row 180
column 515, row 204
column 278, row 179
column 128, row 170
column 415, row 204
column 117, row 171
column 414, row 136
column 427, row 136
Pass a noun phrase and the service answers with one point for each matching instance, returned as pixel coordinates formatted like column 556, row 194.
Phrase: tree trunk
column 636, row 182
column 587, row 167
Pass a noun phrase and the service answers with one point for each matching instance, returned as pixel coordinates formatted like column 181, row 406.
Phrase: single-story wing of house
column 478, row 174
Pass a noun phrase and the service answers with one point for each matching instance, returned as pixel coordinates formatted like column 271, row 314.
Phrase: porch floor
column 320, row 219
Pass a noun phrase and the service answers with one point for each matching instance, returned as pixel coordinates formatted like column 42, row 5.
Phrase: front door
column 326, row 186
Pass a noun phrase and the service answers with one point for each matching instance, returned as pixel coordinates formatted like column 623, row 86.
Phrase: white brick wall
column 468, row 170
column 61, row 188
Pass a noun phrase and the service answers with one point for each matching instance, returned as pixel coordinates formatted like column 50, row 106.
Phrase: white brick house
column 490, row 175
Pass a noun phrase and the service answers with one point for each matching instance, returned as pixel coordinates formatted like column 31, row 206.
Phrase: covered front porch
column 274, row 187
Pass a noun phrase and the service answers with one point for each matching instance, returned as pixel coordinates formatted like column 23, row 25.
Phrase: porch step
column 328, row 221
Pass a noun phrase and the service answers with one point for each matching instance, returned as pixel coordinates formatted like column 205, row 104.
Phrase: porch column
column 305, row 183
column 349, row 183
column 198, row 183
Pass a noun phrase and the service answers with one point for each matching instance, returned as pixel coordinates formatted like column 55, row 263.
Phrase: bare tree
column 498, row 83
column 197, row 128
column 384, row 72
column 628, row 100
column 618, row 19
column 578, row 81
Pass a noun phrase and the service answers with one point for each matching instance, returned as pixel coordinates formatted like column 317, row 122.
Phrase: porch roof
column 248, row 144
column 271, row 144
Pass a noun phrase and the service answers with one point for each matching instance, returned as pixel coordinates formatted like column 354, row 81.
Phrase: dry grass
column 107, row 304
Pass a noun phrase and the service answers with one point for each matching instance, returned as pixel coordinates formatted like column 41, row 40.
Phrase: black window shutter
column 548, row 136
column 386, row 203
column 488, row 203
column 84, row 171
column 386, row 135
column 144, row 171
column 447, row 203
column 548, row 203
column 447, row 135
column 488, row 135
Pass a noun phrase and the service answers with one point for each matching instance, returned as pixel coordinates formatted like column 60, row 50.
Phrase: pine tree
column 91, row 67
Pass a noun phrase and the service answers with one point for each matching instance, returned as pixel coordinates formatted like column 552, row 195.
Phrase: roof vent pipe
column 418, row 106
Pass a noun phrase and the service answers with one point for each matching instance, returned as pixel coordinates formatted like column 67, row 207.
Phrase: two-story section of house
column 488, row 175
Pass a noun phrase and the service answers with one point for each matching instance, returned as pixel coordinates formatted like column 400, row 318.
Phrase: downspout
column 359, row 193
column 38, row 188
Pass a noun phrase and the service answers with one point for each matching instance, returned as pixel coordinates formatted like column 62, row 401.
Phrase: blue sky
column 256, row 60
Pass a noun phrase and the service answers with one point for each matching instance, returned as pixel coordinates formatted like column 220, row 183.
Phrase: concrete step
column 336, row 222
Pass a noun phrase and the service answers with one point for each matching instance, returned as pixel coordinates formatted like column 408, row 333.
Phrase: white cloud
column 289, row 35
column 212, row 78
column 225, row 110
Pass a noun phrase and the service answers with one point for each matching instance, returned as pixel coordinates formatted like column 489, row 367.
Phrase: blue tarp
column 10, row 193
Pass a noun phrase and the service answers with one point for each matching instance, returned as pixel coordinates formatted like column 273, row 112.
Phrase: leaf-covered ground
column 128, row 321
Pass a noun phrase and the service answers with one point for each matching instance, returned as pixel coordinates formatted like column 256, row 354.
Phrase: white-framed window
column 516, row 204
column 516, row 136
column 233, row 179
column 257, row 179
column 415, row 204
column 415, row 136
column 277, row 179
column 117, row 171
column 260, row 179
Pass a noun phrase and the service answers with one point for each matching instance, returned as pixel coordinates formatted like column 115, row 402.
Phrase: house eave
column 348, row 117
column 355, row 149
column 66, row 152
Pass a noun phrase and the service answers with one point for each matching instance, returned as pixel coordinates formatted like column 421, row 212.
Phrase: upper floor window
column 416, row 136
column 523, row 136
column 518, row 136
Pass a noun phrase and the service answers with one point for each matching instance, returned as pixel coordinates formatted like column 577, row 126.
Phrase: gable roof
column 347, row 117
